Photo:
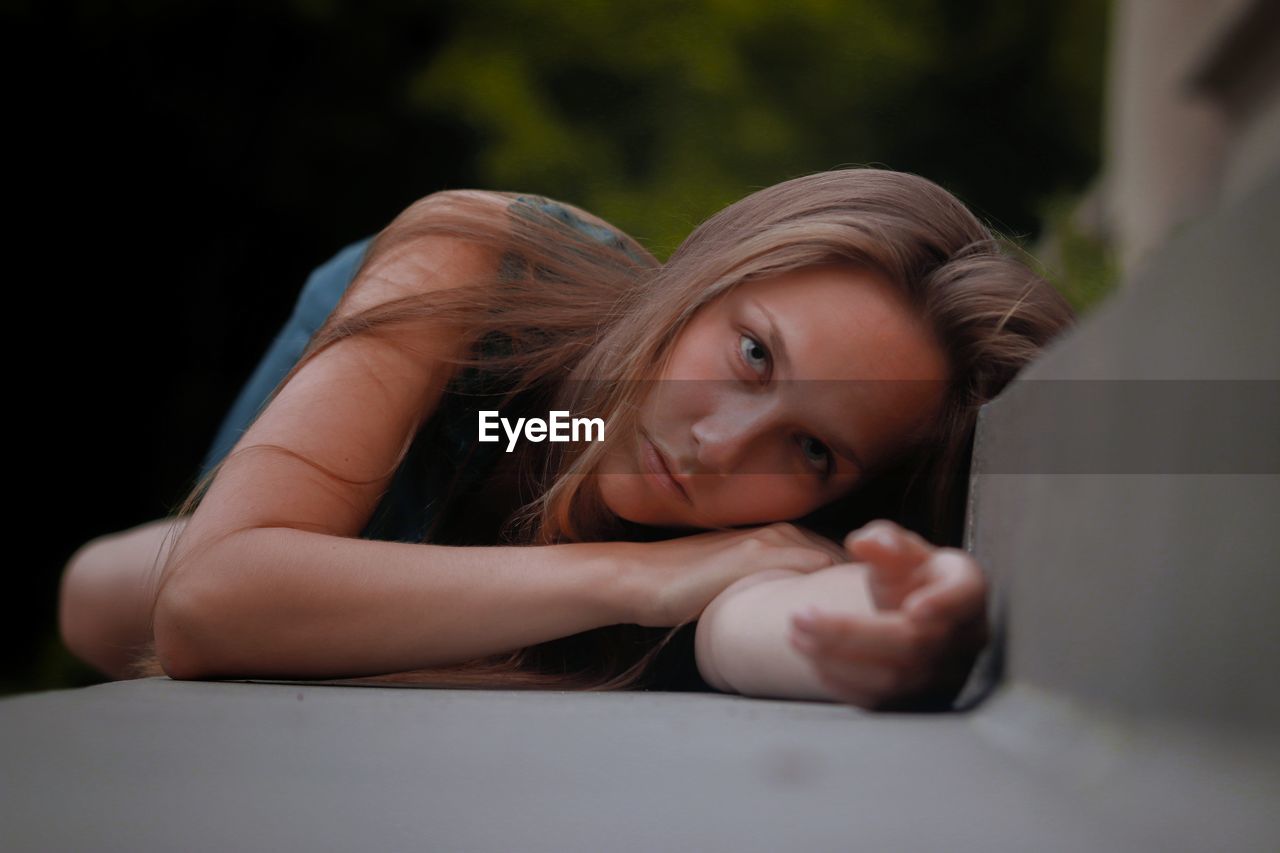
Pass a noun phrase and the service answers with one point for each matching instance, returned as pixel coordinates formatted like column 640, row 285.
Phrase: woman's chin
column 622, row 495
column 621, row 502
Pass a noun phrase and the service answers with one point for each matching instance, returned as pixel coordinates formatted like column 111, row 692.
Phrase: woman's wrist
column 616, row 579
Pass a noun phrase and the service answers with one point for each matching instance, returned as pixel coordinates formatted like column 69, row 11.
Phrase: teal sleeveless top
column 446, row 460
column 442, row 448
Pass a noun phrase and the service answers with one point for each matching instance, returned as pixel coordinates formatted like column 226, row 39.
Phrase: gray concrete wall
column 1193, row 115
column 1126, row 494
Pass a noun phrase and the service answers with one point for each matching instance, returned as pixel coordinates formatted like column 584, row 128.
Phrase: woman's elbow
column 77, row 622
column 180, row 629
column 104, row 604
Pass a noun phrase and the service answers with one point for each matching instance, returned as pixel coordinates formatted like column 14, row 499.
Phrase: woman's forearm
column 286, row 603
column 741, row 641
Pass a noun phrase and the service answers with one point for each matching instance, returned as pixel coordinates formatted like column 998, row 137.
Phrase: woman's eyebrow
column 779, row 348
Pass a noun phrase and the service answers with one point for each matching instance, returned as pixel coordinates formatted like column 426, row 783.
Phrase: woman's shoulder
column 327, row 282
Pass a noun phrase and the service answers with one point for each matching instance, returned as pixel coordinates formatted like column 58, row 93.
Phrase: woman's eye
column 749, row 348
column 823, row 462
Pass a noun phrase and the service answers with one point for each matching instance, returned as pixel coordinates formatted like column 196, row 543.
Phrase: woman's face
column 778, row 397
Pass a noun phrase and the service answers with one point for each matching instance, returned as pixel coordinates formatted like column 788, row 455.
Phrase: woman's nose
column 724, row 440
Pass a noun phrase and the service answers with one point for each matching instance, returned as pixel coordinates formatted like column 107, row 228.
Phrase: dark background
column 176, row 169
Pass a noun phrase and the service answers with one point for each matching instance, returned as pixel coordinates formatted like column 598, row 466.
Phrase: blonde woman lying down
column 806, row 365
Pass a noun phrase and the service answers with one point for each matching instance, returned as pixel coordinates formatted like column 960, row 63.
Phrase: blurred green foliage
column 1082, row 263
column 656, row 114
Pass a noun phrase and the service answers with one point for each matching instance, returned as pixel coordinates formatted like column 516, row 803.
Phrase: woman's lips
column 657, row 467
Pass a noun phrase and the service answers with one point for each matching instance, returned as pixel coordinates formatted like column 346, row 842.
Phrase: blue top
column 409, row 504
column 446, row 459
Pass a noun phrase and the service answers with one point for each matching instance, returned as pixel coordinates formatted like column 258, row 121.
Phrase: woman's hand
column 917, row 650
column 678, row 578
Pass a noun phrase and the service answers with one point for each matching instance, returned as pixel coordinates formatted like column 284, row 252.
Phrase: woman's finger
column 956, row 589
column 868, row 686
column 894, row 556
column 891, row 638
column 885, row 544
column 890, row 686
column 883, row 660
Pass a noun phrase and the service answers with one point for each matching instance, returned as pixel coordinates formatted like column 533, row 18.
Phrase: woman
column 815, row 353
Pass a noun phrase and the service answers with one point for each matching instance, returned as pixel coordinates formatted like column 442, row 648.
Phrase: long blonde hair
column 587, row 319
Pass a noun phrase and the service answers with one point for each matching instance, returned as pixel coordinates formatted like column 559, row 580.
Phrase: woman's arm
column 107, row 591
column 269, row 579
column 295, row 604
